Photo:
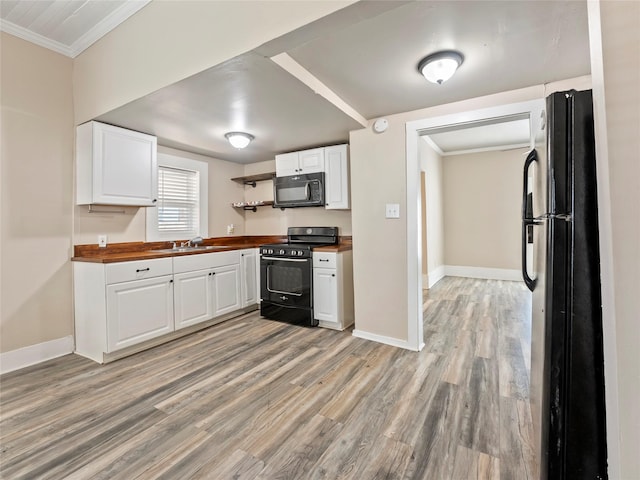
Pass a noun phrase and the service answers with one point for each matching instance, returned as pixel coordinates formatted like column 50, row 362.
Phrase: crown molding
column 33, row 37
column 107, row 24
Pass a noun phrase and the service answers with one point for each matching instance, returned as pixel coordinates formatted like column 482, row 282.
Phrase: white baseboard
column 26, row 356
column 481, row 272
column 394, row 342
column 435, row 276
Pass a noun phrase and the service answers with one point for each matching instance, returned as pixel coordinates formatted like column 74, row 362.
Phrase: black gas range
column 286, row 274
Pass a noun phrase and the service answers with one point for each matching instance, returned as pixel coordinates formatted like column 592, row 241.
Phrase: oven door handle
column 287, row 259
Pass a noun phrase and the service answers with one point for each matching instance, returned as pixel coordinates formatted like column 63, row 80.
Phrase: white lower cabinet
column 118, row 305
column 123, row 304
column 325, row 295
column 333, row 289
column 139, row 311
column 249, row 273
column 193, row 298
column 226, row 289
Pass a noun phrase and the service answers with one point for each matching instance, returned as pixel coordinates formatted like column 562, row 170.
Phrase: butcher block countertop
column 343, row 246
column 130, row 251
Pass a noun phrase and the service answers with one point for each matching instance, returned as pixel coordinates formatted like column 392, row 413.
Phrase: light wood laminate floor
column 257, row 399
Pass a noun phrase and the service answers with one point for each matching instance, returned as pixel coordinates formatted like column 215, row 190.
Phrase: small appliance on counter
column 286, row 274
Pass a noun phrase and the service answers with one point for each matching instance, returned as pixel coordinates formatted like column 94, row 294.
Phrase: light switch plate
column 102, row 241
column 393, row 210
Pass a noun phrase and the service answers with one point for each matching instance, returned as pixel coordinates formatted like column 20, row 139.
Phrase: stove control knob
column 271, row 251
column 281, row 252
column 300, row 253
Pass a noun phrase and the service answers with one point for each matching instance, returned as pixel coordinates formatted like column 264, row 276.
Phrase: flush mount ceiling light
column 239, row 139
column 440, row 66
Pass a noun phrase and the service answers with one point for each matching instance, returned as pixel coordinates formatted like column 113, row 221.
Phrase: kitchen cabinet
column 248, row 264
column 207, row 286
column 142, row 303
column 138, row 311
column 115, row 166
column 192, row 297
column 297, row 163
column 333, row 289
column 226, row 293
column 336, row 164
column 118, row 305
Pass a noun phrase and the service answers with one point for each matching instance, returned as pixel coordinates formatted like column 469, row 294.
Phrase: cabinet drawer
column 127, row 271
column 324, row 260
column 189, row 263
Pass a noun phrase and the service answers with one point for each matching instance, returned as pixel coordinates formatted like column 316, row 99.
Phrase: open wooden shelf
column 252, row 179
column 254, row 208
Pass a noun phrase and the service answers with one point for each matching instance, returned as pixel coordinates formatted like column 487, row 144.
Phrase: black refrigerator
column 561, row 266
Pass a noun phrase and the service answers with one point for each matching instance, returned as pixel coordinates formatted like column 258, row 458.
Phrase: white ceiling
column 367, row 54
column 500, row 134
column 65, row 26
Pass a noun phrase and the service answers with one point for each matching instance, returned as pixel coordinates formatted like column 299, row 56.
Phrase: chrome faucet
column 195, row 241
column 191, row 243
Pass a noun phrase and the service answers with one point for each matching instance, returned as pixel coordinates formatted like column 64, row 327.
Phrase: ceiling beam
column 294, row 68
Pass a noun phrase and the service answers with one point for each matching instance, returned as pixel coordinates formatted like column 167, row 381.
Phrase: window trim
column 173, row 161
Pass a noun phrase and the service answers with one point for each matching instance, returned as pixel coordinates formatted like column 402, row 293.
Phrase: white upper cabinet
column 336, row 164
column 115, row 166
column 297, row 163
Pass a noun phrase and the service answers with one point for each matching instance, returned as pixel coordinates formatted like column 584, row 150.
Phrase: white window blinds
column 178, row 202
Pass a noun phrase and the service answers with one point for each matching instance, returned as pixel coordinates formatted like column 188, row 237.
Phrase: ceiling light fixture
column 440, row 66
column 239, row 139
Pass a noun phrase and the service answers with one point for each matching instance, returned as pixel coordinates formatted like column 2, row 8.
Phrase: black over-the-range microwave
column 299, row 191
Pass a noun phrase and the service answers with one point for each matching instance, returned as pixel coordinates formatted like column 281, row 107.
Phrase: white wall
column 37, row 186
column 615, row 57
column 482, row 203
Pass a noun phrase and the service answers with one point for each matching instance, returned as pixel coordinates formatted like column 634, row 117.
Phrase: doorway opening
column 531, row 110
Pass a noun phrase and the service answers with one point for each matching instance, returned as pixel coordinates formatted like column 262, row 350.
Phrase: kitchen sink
column 203, row 248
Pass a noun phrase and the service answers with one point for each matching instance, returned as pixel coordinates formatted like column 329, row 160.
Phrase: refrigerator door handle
column 526, row 219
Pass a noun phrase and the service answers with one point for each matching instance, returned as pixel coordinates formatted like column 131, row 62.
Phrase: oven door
column 286, row 281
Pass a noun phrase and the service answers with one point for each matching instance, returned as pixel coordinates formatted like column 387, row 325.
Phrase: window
column 178, row 205
column 181, row 211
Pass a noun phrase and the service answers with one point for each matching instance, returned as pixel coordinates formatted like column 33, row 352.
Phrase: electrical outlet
column 393, row 210
column 230, row 229
column 102, row 241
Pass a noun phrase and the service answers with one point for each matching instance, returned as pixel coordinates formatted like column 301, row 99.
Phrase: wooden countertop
column 344, row 245
column 130, row 251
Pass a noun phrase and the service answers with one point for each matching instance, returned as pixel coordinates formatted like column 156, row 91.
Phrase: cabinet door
column 226, row 290
column 192, row 297
column 325, row 295
column 249, row 273
column 287, row 164
column 311, row 161
column 138, row 311
column 125, row 168
column 336, row 177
